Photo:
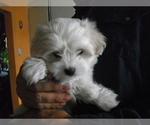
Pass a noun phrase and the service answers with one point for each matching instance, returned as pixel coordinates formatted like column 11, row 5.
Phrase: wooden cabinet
column 18, row 43
column 20, row 23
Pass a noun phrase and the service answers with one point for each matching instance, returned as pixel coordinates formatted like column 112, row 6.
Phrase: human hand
column 42, row 95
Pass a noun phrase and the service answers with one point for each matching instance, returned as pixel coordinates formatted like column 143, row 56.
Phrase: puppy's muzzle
column 69, row 71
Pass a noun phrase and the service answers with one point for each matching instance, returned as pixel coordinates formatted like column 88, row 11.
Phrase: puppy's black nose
column 69, row 71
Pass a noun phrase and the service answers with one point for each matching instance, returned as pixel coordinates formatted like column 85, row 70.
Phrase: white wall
column 38, row 2
column 61, row 8
column 60, row 11
column 37, row 15
column 61, row 3
column 38, row 11
column 50, row 3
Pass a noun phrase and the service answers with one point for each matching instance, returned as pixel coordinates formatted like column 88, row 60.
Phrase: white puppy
column 68, row 48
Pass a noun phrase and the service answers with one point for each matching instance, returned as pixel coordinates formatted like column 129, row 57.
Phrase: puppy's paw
column 107, row 101
column 34, row 69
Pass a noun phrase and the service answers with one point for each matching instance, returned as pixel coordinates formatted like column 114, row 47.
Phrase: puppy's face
column 69, row 47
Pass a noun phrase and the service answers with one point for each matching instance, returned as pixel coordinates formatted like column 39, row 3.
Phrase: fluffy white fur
column 74, row 45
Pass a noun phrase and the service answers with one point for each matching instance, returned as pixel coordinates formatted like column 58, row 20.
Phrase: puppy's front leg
column 99, row 95
column 34, row 69
column 106, row 98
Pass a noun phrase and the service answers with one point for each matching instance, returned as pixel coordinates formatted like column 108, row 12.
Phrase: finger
column 32, row 104
column 45, row 97
column 49, row 86
column 50, row 105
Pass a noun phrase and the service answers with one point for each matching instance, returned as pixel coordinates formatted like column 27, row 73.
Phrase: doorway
column 5, row 91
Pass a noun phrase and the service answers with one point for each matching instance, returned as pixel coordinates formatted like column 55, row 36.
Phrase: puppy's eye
column 57, row 54
column 79, row 52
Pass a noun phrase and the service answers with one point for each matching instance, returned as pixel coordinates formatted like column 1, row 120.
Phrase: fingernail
column 65, row 87
column 62, row 104
column 66, row 97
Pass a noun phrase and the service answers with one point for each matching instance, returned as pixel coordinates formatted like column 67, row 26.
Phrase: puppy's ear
column 97, row 39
